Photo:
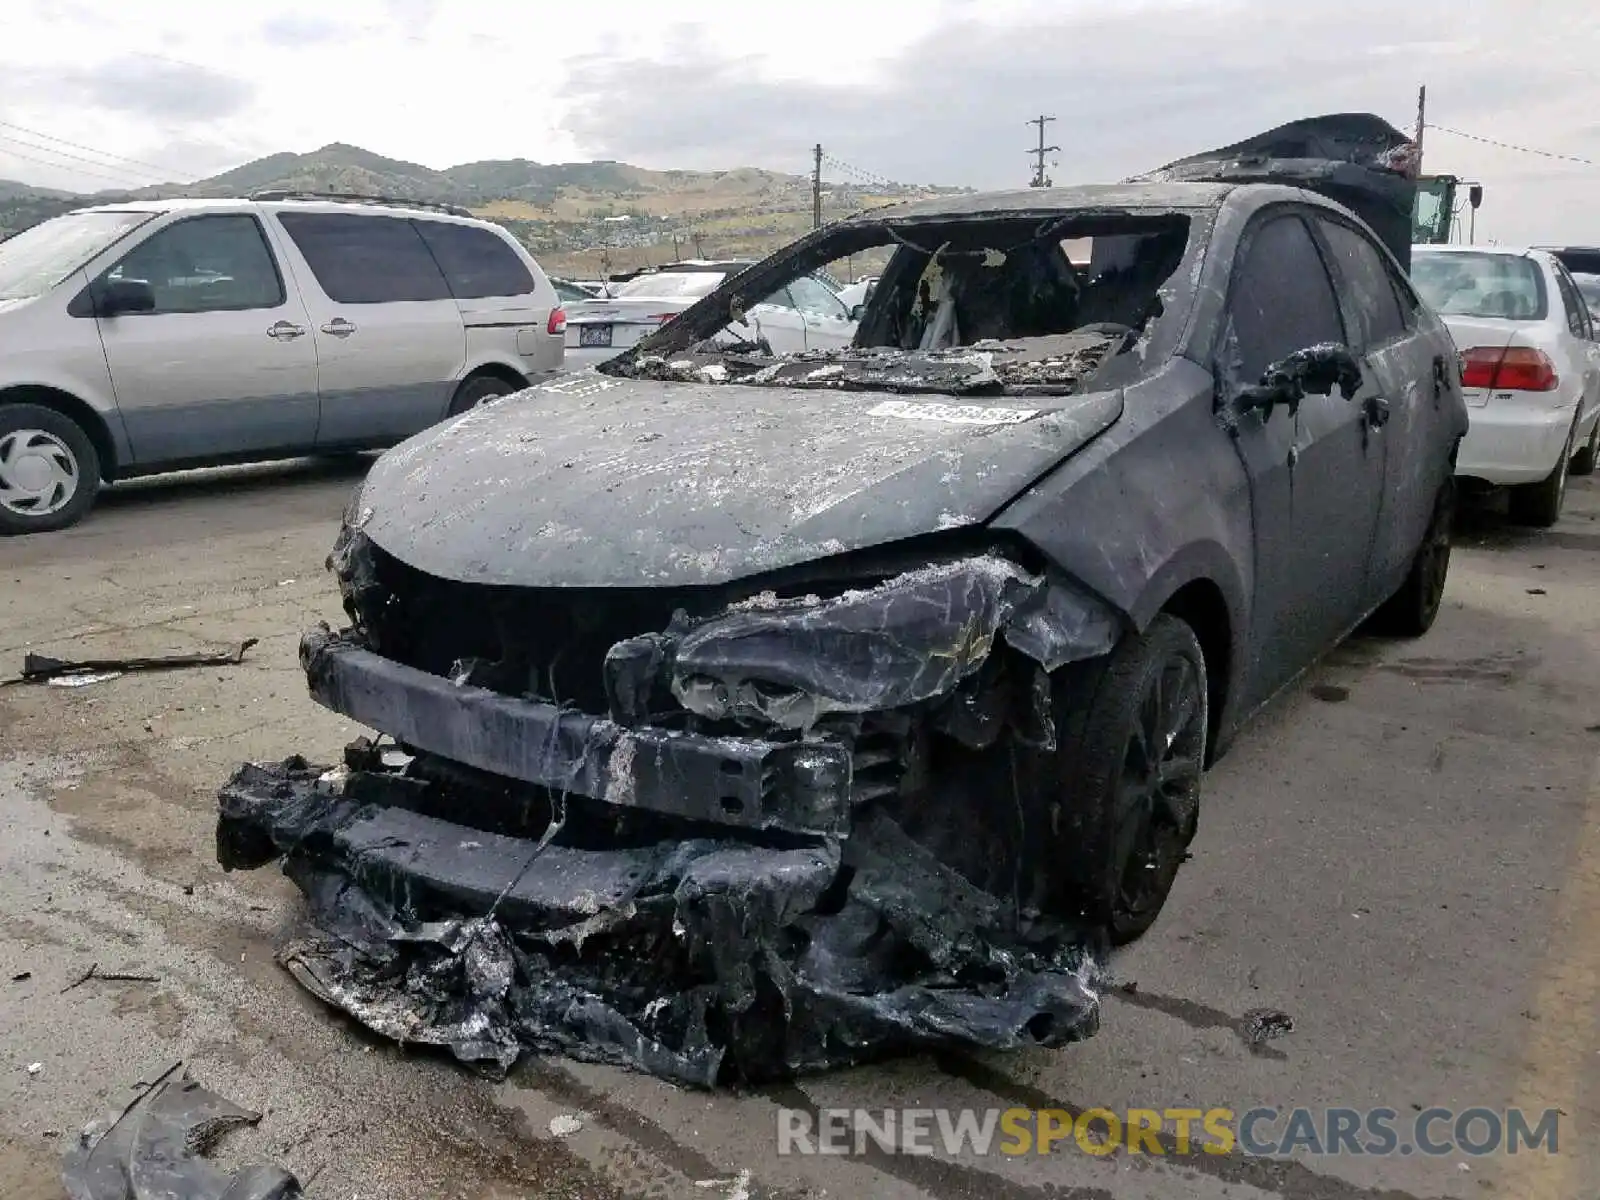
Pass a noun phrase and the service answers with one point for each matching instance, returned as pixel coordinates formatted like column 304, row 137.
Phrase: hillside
column 578, row 218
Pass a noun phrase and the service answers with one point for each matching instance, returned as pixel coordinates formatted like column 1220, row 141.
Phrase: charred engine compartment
column 713, row 834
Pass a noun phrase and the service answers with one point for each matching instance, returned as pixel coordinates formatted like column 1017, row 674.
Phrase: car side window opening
column 811, row 295
column 365, row 259
column 1369, row 285
column 1573, row 303
column 215, row 263
column 1280, row 300
column 477, row 264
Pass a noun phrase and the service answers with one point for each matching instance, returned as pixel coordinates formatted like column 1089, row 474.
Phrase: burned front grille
column 544, row 643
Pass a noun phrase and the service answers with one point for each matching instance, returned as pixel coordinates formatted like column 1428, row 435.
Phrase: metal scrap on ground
column 41, row 668
column 153, row 1148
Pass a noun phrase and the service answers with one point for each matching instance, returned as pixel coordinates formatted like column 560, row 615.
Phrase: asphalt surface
column 1402, row 854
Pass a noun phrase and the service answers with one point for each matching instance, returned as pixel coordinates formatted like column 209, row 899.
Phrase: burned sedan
column 757, row 713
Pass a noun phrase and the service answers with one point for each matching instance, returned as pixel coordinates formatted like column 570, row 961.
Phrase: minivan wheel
column 1411, row 611
column 1131, row 745
column 49, row 470
column 1540, row 503
column 476, row 390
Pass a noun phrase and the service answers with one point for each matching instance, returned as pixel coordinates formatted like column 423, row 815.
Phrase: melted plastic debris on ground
column 702, row 960
column 150, row 1151
column 41, row 668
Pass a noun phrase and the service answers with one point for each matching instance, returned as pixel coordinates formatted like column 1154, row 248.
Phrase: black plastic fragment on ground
column 151, row 1149
column 702, row 960
column 41, row 668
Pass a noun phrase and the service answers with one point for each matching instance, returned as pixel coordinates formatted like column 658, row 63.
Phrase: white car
column 1530, row 368
column 806, row 314
column 856, row 294
column 151, row 335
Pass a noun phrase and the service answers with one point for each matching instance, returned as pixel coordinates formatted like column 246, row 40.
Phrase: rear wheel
column 49, row 470
column 1584, row 460
column 1132, row 732
column 476, row 390
column 1540, row 503
column 1411, row 611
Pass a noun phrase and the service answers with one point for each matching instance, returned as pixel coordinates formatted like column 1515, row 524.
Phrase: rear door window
column 366, row 260
column 476, row 263
column 1281, row 299
column 1369, row 289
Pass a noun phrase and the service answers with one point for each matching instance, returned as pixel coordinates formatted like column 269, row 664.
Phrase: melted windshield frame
column 1054, row 360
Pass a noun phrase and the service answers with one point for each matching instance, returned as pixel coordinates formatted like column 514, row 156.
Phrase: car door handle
column 286, row 331
column 339, row 327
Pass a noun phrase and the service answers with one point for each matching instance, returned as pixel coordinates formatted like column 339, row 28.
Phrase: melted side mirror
column 1316, row 370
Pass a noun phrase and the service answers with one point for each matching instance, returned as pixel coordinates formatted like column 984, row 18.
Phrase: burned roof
column 1048, row 200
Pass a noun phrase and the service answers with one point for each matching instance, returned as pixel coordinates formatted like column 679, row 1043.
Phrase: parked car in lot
column 858, row 293
column 1583, row 264
column 149, row 335
column 1530, row 365
column 1039, row 541
column 806, row 313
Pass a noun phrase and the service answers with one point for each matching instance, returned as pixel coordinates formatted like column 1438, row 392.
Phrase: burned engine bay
column 716, row 834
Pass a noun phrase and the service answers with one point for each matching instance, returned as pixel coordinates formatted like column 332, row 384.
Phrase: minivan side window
column 1371, row 290
column 215, row 263
column 366, row 260
column 476, row 263
column 1280, row 299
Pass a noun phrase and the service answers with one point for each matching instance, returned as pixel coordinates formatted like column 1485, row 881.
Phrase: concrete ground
column 1403, row 854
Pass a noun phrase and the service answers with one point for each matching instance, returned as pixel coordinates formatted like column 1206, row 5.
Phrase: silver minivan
column 155, row 335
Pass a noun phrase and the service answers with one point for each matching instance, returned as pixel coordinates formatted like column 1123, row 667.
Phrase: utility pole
column 816, row 186
column 1422, row 122
column 1040, row 180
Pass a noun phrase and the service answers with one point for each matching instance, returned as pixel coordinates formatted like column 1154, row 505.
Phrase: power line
column 93, row 162
column 167, row 172
column 1473, row 137
column 45, row 162
column 861, row 175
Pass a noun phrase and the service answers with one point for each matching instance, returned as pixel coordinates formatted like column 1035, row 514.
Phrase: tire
column 1411, row 611
column 49, row 470
column 476, row 389
column 1126, row 821
column 1539, row 504
column 1583, row 462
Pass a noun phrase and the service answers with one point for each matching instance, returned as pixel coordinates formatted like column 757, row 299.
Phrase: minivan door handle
column 285, row 331
column 339, row 327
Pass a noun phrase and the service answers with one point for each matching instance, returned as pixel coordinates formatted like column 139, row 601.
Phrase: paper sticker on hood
column 953, row 414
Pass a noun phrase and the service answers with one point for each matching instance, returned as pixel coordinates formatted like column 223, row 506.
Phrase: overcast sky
column 98, row 94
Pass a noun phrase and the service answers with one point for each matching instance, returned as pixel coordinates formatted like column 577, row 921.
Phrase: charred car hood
column 596, row 481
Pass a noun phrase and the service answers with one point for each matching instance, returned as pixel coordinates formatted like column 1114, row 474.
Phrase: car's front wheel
column 1131, row 738
column 49, row 471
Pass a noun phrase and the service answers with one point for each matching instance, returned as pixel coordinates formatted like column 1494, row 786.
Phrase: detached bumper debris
column 41, row 668
column 151, row 1150
column 735, row 955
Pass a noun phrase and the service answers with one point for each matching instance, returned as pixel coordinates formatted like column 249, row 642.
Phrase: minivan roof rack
column 455, row 210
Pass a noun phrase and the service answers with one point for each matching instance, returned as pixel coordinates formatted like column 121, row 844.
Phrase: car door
column 391, row 345
column 1316, row 473
column 224, row 364
column 827, row 320
column 1404, row 379
column 1582, row 356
